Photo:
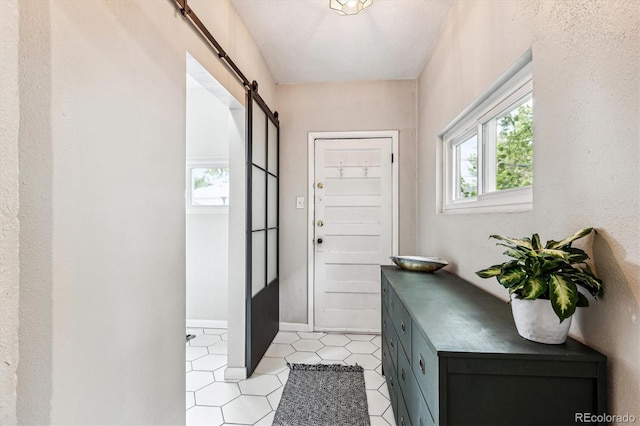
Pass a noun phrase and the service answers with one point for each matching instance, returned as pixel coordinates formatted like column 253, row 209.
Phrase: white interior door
column 353, row 221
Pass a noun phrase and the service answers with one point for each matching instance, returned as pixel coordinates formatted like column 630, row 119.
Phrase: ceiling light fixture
column 349, row 7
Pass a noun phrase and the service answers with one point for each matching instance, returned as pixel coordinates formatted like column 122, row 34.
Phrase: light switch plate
column 299, row 202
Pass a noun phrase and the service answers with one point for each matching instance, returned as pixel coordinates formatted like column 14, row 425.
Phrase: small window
column 466, row 158
column 488, row 152
column 207, row 186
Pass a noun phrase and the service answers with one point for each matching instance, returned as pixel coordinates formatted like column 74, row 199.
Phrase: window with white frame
column 488, row 152
column 207, row 186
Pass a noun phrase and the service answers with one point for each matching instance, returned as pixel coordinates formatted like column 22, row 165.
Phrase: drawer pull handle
column 401, row 420
column 384, row 322
column 421, row 363
column 391, row 342
column 402, row 326
column 391, row 381
column 420, row 422
column 403, row 376
column 391, row 304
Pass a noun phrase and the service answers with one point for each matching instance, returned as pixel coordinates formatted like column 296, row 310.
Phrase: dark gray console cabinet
column 452, row 356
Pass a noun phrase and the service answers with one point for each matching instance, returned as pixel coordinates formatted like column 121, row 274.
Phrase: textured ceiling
column 303, row 41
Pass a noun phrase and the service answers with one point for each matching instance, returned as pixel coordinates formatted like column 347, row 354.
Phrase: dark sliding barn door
column 263, row 304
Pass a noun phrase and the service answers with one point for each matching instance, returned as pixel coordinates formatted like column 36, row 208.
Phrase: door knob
column 319, row 241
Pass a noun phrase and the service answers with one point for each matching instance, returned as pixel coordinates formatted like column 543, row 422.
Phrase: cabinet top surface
column 459, row 317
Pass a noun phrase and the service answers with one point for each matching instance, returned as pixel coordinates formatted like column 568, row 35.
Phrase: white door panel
column 336, row 172
column 352, row 244
column 351, row 158
column 340, row 215
column 357, row 259
column 352, row 201
column 353, row 218
column 351, row 302
column 362, row 310
column 351, row 187
column 368, row 287
column 350, row 229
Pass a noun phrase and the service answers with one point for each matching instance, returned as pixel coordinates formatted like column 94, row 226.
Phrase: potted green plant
column 543, row 283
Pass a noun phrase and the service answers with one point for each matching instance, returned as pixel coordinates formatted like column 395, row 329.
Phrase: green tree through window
column 514, row 152
column 209, row 186
column 515, row 148
column 468, row 189
column 210, row 176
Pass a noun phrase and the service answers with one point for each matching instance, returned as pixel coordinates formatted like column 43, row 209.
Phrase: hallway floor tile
column 212, row 400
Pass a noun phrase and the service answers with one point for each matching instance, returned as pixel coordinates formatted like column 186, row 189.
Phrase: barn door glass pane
column 272, row 255
column 259, row 143
column 258, row 199
column 258, row 263
column 273, row 148
column 272, row 205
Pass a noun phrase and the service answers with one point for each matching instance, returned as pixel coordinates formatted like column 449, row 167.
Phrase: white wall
column 586, row 107
column 207, row 236
column 377, row 105
column 9, row 202
column 102, row 223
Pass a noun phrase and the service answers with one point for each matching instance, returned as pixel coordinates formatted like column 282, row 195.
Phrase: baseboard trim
column 350, row 330
column 294, row 326
column 193, row 323
column 235, row 373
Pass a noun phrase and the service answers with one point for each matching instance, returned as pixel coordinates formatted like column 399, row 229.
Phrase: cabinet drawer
column 390, row 376
column 386, row 357
column 416, row 405
column 424, row 415
column 390, row 338
column 386, row 323
column 425, row 369
column 384, row 292
column 401, row 321
column 402, row 418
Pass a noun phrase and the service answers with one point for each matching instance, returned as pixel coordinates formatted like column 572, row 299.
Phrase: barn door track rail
column 186, row 11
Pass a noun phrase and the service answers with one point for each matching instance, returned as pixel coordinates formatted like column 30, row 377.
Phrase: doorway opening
column 215, row 181
column 353, row 226
column 207, row 202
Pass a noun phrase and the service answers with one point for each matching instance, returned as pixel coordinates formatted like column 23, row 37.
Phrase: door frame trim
column 395, row 185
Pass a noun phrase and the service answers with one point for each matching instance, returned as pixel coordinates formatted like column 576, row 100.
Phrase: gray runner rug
column 323, row 395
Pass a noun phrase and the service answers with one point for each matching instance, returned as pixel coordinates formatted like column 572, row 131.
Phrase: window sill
column 507, row 201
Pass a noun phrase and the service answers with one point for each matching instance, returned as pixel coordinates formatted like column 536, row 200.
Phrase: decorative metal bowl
column 419, row 263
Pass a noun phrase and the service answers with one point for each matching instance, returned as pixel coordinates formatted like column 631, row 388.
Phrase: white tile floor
column 210, row 400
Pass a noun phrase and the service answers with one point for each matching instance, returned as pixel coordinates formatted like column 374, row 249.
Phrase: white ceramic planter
column 536, row 321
